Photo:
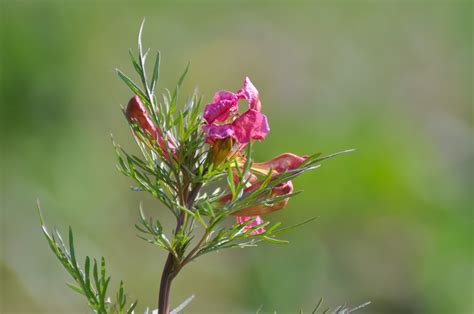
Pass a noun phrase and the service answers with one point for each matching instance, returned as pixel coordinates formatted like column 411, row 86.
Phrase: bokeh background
column 392, row 79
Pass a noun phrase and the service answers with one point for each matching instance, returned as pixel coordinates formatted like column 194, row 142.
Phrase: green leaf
column 275, row 241
column 87, row 268
column 71, row 247
column 96, row 274
column 133, row 87
column 335, row 154
column 75, row 288
column 360, row 306
column 294, row 226
column 132, row 307
column 180, row 82
column 318, row 306
column 181, row 307
column 136, row 66
column 156, row 70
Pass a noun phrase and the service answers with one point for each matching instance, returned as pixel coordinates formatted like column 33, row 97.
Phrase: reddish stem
column 172, row 266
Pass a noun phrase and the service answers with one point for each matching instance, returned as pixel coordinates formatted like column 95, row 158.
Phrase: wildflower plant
column 198, row 162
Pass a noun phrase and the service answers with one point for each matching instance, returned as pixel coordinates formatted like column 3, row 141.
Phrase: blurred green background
column 392, row 79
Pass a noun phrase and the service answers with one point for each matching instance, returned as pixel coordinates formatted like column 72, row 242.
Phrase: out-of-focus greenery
column 391, row 79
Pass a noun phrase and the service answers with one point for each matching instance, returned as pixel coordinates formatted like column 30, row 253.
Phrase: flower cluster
column 228, row 132
column 186, row 157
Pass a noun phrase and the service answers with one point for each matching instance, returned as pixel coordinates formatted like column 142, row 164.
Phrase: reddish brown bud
column 136, row 112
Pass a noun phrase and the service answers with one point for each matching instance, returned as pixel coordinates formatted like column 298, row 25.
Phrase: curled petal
column 219, row 110
column 257, row 221
column 279, row 164
column 136, row 112
column 225, row 95
column 217, row 132
column 251, row 124
column 250, row 93
column 282, row 189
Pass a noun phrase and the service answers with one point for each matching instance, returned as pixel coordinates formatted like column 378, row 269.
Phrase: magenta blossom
column 223, row 120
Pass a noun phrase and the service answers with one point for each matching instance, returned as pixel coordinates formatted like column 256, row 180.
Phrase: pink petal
column 250, row 93
column 251, row 125
column 281, row 163
column 219, row 110
column 257, row 221
column 224, row 95
column 218, row 132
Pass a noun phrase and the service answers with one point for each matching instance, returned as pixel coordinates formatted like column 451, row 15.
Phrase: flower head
column 227, row 130
column 223, row 120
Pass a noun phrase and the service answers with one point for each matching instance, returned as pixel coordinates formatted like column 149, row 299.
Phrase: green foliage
column 342, row 309
column 190, row 172
column 91, row 282
column 182, row 176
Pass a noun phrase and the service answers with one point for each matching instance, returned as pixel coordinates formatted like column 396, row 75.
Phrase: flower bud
column 136, row 112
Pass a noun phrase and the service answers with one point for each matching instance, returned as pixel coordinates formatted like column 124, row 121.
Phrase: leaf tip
column 38, row 210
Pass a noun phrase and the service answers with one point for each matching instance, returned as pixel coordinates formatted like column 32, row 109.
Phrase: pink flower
column 136, row 112
column 277, row 165
column 257, row 221
column 223, row 120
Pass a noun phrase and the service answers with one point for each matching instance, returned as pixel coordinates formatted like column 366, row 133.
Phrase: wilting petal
column 279, row 164
column 257, row 221
column 278, row 190
column 250, row 125
column 218, row 132
column 219, row 110
column 250, row 93
column 136, row 111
